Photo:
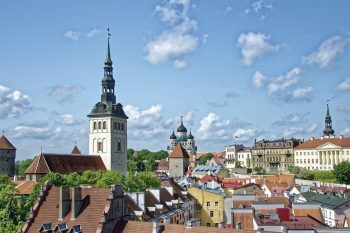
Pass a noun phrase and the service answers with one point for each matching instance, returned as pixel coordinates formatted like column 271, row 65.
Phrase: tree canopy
column 144, row 160
column 342, row 172
column 204, row 158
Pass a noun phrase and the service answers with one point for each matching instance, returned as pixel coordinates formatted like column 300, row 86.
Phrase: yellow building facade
column 209, row 206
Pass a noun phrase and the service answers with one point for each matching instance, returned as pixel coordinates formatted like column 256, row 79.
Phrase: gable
column 328, row 145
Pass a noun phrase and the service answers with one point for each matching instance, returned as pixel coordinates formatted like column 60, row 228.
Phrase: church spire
column 328, row 131
column 108, row 82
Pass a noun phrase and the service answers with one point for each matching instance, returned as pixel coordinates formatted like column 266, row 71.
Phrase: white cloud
column 68, row 119
column 259, row 80
column 65, row 92
column 247, row 135
column 260, row 5
column 175, row 43
column 72, row 35
column 212, row 128
column 345, row 109
column 35, row 132
column 302, row 93
column 13, row 103
column 345, row 85
column 294, row 118
column 312, row 128
column 227, row 10
column 255, row 45
column 327, row 52
column 93, row 32
column 283, row 81
column 293, row 132
column 219, row 103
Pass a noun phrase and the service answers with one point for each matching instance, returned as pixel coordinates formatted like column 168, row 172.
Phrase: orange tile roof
column 342, row 142
column 179, row 152
column 76, row 151
column 45, row 163
column 26, row 187
column 88, row 219
column 133, row 227
column 6, row 144
column 315, row 213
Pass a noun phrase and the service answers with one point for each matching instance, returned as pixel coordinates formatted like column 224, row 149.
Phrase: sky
column 235, row 70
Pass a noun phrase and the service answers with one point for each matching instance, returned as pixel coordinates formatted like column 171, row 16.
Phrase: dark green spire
column 108, row 60
column 328, row 131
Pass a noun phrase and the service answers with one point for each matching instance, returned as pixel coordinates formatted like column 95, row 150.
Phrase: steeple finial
column 108, row 60
column 328, row 131
column 181, row 120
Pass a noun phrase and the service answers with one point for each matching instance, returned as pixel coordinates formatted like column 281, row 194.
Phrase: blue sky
column 252, row 69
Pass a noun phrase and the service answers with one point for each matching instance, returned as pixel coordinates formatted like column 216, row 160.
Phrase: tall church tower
column 108, row 124
column 328, row 130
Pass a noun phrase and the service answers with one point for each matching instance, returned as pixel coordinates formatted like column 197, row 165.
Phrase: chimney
column 141, row 200
column 76, row 202
column 156, row 227
column 63, row 204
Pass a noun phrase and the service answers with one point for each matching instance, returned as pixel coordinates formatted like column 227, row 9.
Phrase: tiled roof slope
column 61, row 163
column 147, row 227
column 179, row 152
column 26, row 187
column 6, row 144
column 313, row 143
column 76, row 151
column 88, row 219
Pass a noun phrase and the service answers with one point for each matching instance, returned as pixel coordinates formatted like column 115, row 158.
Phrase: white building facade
column 231, row 155
column 244, row 157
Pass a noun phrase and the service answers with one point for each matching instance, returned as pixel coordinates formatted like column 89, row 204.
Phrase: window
column 118, row 126
column 115, row 125
column 216, row 204
column 208, row 204
column 99, row 146
column 208, row 224
column 216, row 224
column 94, row 125
column 211, row 213
column 119, row 147
column 99, row 125
column 122, row 126
column 104, row 125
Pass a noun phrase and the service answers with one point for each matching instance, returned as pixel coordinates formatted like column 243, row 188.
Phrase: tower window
column 99, row 146
column 94, row 125
column 122, row 126
column 115, row 125
column 118, row 126
column 104, row 125
column 99, row 125
column 119, row 147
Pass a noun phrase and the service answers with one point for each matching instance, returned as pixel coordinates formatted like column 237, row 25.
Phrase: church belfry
column 328, row 131
column 108, row 123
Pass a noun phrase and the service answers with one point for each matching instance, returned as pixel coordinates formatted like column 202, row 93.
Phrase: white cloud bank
column 13, row 103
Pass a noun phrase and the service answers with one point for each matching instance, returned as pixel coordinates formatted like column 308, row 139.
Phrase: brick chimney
column 76, row 202
column 63, row 204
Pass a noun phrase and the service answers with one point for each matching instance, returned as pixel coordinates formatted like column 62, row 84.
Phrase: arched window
column 104, row 125
column 118, row 126
column 99, row 146
column 99, row 125
column 122, row 126
column 115, row 125
column 94, row 125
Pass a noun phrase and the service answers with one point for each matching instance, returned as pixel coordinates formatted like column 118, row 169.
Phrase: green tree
column 204, row 158
column 132, row 166
column 294, row 169
column 342, row 172
column 130, row 153
column 21, row 166
column 72, row 179
column 109, row 178
column 150, row 165
column 90, row 177
column 259, row 170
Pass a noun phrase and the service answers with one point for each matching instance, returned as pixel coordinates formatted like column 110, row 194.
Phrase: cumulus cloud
column 259, row 80
column 283, row 88
column 255, row 45
column 228, row 9
column 72, row 35
column 13, row 103
column 283, row 81
column 68, row 119
column 344, row 85
column 219, row 103
column 173, row 44
column 35, row 132
column 293, row 132
column 65, row 92
column 312, row 129
column 327, row 52
column 294, row 118
column 247, row 135
column 212, row 128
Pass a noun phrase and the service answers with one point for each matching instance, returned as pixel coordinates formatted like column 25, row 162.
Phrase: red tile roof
column 76, row 151
column 342, row 142
column 26, row 187
column 6, row 144
column 45, row 163
column 88, row 219
column 179, row 152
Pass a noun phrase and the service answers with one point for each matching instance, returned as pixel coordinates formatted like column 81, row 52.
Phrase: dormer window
column 45, row 228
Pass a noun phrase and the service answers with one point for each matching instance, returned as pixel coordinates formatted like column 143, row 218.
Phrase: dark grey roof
column 190, row 136
column 325, row 200
column 182, row 128
column 103, row 109
column 172, row 136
